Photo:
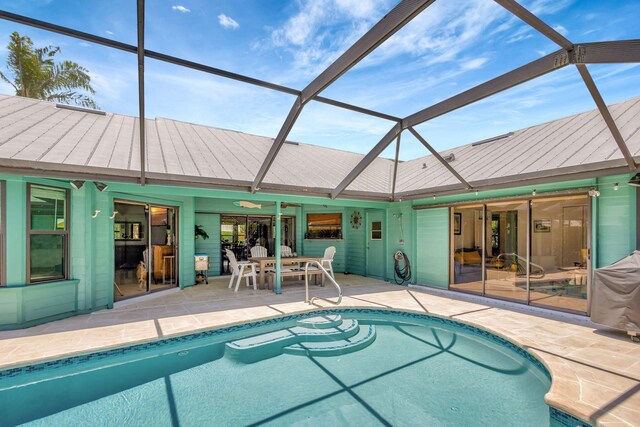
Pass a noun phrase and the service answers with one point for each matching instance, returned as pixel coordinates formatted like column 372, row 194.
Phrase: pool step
column 321, row 322
column 365, row 336
column 316, row 336
column 264, row 346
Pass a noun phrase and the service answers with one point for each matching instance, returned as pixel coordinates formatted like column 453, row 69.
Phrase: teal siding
column 355, row 245
column 616, row 220
column 432, row 233
column 211, row 224
column 44, row 301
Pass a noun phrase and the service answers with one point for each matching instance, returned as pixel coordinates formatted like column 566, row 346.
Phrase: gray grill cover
column 616, row 294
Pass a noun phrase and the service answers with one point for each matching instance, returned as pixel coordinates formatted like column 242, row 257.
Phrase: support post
column 395, row 168
column 277, row 287
column 141, row 90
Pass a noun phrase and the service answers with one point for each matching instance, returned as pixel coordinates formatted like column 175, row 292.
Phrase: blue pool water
column 368, row 367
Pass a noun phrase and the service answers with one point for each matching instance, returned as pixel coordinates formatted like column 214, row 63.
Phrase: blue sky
column 452, row 46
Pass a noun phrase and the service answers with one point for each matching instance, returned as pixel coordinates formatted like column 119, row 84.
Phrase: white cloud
column 180, row 8
column 227, row 22
column 84, row 44
column 562, row 30
column 548, row 7
column 322, row 30
column 443, row 31
column 109, row 32
column 473, row 64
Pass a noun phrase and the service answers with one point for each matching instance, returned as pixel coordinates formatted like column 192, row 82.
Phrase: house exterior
column 549, row 204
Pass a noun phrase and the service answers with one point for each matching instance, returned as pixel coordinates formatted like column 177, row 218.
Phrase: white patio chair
column 241, row 269
column 285, row 252
column 327, row 259
column 258, row 252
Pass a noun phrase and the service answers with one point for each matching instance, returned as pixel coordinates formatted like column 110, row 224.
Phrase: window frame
column 372, row 230
column 308, row 233
column 65, row 233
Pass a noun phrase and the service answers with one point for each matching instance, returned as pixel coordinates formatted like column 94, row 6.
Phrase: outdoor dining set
column 260, row 267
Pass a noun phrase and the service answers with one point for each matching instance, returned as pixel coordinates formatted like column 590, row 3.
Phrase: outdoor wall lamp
column 77, row 184
column 96, row 213
column 100, row 186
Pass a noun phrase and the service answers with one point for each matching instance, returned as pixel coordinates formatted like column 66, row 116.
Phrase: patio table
column 270, row 261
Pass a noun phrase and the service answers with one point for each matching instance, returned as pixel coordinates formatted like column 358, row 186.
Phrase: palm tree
column 37, row 75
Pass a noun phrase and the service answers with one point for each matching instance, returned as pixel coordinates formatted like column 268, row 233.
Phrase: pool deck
column 596, row 371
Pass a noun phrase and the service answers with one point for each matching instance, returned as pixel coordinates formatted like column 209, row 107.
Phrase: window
column 48, row 233
column 324, row 226
column 376, row 230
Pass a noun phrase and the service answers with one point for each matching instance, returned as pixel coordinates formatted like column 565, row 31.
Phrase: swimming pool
column 333, row 367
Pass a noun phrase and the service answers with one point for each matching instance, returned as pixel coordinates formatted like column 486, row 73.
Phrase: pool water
column 417, row 371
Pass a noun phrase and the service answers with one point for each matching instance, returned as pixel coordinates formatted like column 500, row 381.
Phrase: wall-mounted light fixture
column 96, row 213
column 101, row 186
column 533, row 193
column 616, row 186
column 594, row 193
column 77, row 184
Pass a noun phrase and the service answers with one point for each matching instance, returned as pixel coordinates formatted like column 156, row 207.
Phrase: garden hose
column 401, row 268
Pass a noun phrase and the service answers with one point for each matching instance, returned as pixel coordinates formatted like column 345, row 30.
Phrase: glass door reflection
column 506, row 261
column 467, row 248
column 560, row 252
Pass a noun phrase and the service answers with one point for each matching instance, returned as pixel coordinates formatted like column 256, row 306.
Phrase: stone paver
column 595, row 370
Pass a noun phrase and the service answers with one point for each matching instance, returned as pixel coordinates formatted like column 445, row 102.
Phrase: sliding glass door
column 506, row 236
column 145, row 239
column 467, row 246
column 240, row 233
column 560, row 252
column 535, row 251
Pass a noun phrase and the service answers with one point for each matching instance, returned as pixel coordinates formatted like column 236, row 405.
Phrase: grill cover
column 616, row 294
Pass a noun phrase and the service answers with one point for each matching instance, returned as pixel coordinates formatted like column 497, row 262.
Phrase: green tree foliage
column 36, row 74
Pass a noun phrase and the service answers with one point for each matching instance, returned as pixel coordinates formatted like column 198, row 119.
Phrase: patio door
column 375, row 244
column 145, row 243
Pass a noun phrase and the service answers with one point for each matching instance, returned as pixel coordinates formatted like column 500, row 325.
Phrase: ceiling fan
column 251, row 205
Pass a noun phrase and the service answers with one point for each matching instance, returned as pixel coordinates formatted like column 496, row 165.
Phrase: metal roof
column 39, row 134
column 580, row 142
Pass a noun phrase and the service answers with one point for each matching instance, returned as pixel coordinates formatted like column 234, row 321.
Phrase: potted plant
column 201, row 233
